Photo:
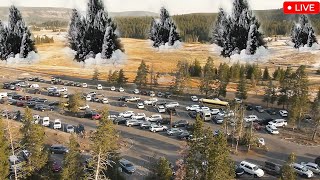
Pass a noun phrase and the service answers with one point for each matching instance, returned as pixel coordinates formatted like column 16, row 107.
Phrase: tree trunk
column 98, row 166
column 315, row 131
column 12, row 148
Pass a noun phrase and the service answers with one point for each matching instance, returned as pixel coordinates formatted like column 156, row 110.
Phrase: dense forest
column 197, row 27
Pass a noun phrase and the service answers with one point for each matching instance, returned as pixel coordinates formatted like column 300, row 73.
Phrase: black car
column 180, row 123
column 87, row 114
column 317, row 161
column 123, row 98
column 265, row 121
column 143, row 92
column 172, row 111
column 164, row 121
column 30, row 104
column 17, row 97
column 184, row 135
column 6, row 85
column 120, row 120
column 239, row 171
column 95, row 99
column 167, row 94
column 54, row 103
column 193, row 114
column 58, row 149
column 80, row 128
column 249, row 108
column 39, row 107
column 271, row 111
column 41, row 100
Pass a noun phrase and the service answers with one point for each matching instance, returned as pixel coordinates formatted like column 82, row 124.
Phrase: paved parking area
column 144, row 144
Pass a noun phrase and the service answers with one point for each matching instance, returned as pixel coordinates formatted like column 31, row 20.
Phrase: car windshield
column 255, row 168
column 129, row 165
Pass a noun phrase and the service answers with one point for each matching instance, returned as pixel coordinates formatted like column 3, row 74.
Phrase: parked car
column 133, row 122
column 312, row 167
column 132, row 99
column 104, row 101
column 46, row 121
column 160, row 94
column 139, row 116
column 57, row 124
column 215, row 111
column 96, row 116
column 126, row 166
column 123, row 98
column 152, row 94
column 192, row 114
column 172, row 105
column 136, row 91
column 150, row 101
column 217, row 119
column 184, row 135
column 251, row 168
column 193, row 107
column 167, row 94
column 70, row 128
column 99, row 87
column 249, row 107
column 121, row 89
column 279, row 123
column 140, row 105
column 259, row 109
column 56, row 167
column 84, row 107
column 154, row 118
column 283, row 113
column 271, row 111
column 302, row 170
column 161, row 109
column 112, row 88
column 272, row 129
column 171, row 111
column 58, row 149
column 174, row 131
column 120, row 120
column 265, row 121
column 145, row 124
column 180, row 123
column 317, row 161
column 238, row 171
column 272, row 168
column 84, row 85
column 157, row 128
column 194, row 98
column 251, row 118
column 203, row 108
column 126, row 114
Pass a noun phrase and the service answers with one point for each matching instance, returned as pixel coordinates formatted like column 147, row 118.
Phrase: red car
column 17, row 88
column 96, row 116
column 25, row 98
column 20, row 103
column 56, row 167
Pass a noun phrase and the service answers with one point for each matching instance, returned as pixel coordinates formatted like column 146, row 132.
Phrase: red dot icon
column 301, row 7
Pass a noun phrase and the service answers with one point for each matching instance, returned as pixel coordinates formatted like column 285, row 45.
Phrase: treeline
column 43, row 39
column 51, row 24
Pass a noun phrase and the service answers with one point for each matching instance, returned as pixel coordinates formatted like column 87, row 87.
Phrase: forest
column 198, row 27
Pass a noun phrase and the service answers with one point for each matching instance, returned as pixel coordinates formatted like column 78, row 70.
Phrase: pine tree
column 219, row 28
column 96, row 74
column 302, row 33
column 142, row 73
column 287, row 171
column 252, row 43
column 75, row 101
column 111, row 43
column 270, row 95
column 33, row 140
column 181, row 77
column 27, row 45
column 122, row 79
column 104, row 145
column 195, row 69
column 241, row 89
column 173, row 34
column 315, row 113
column 72, row 167
column 207, row 78
column 4, row 152
column 75, row 30
column 160, row 170
column 266, row 75
column 3, row 41
column 154, row 33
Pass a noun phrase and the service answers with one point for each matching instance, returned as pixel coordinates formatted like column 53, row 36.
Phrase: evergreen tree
column 266, row 75
column 142, row 73
column 104, row 146
column 111, row 43
column 4, row 152
column 287, row 171
column 76, row 33
column 270, row 95
column 242, row 89
column 252, row 43
column 164, row 30
column 302, row 33
column 27, row 45
column 72, row 167
column 219, row 28
column 33, row 140
column 207, row 78
column 75, row 101
column 122, row 79
column 181, row 76
column 3, row 41
column 195, row 69
column 96, row 74
column 160, row 170
column 315, row 113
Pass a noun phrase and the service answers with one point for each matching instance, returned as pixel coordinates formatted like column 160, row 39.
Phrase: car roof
column 124, row 161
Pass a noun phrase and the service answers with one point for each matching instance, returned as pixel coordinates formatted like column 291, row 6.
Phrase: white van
column 46, row 121
column 206, row 115
column 252, row 169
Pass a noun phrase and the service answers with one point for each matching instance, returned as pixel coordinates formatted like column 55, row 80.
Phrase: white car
column 99, row 87
column 132, row 99
column 139, row 116
column 215, row 111
column 57, row 124
column 172, row 105
column 84, row 85
column 133, row 122
column 88, row 97
column 136, row 91
column 302, row 170
column 70, row 128
column 113, row 88
column 174, row 131
column 272, row 129
column 36, row 119
column 63, row 89
column 146, row 124
column 46, row 121
column 192, row 107
column 65, row 95
column 121, row 89
column 237, row 100
column 283, row 113
column 154, row 117
column 202, row 109
column 279, row 122
column 140, row 105
column 261, row 141
column 126, row 114
column 105, row 101
column 312, row 167
column 161, row 109
column 152, row 94
column 251, row 168
column 157, row 128
column 84, row 107
column 251, row 118
column 150, row 101
column 194, row 98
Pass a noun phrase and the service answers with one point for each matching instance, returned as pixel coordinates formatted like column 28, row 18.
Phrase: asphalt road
column 144, row 144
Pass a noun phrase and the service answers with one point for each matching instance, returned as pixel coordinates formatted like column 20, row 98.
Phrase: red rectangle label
column 301, row 7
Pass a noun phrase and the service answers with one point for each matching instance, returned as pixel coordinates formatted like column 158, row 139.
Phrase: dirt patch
column 300, row 136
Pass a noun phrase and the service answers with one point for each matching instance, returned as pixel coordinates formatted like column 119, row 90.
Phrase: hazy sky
column 174, row 6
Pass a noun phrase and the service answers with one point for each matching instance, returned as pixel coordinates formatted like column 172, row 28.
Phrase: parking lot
column 143, row 144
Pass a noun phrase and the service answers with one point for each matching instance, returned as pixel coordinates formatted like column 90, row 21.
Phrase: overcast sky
column 174, row 6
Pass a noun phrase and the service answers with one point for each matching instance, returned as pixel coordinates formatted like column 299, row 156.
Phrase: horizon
column 175, row 8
